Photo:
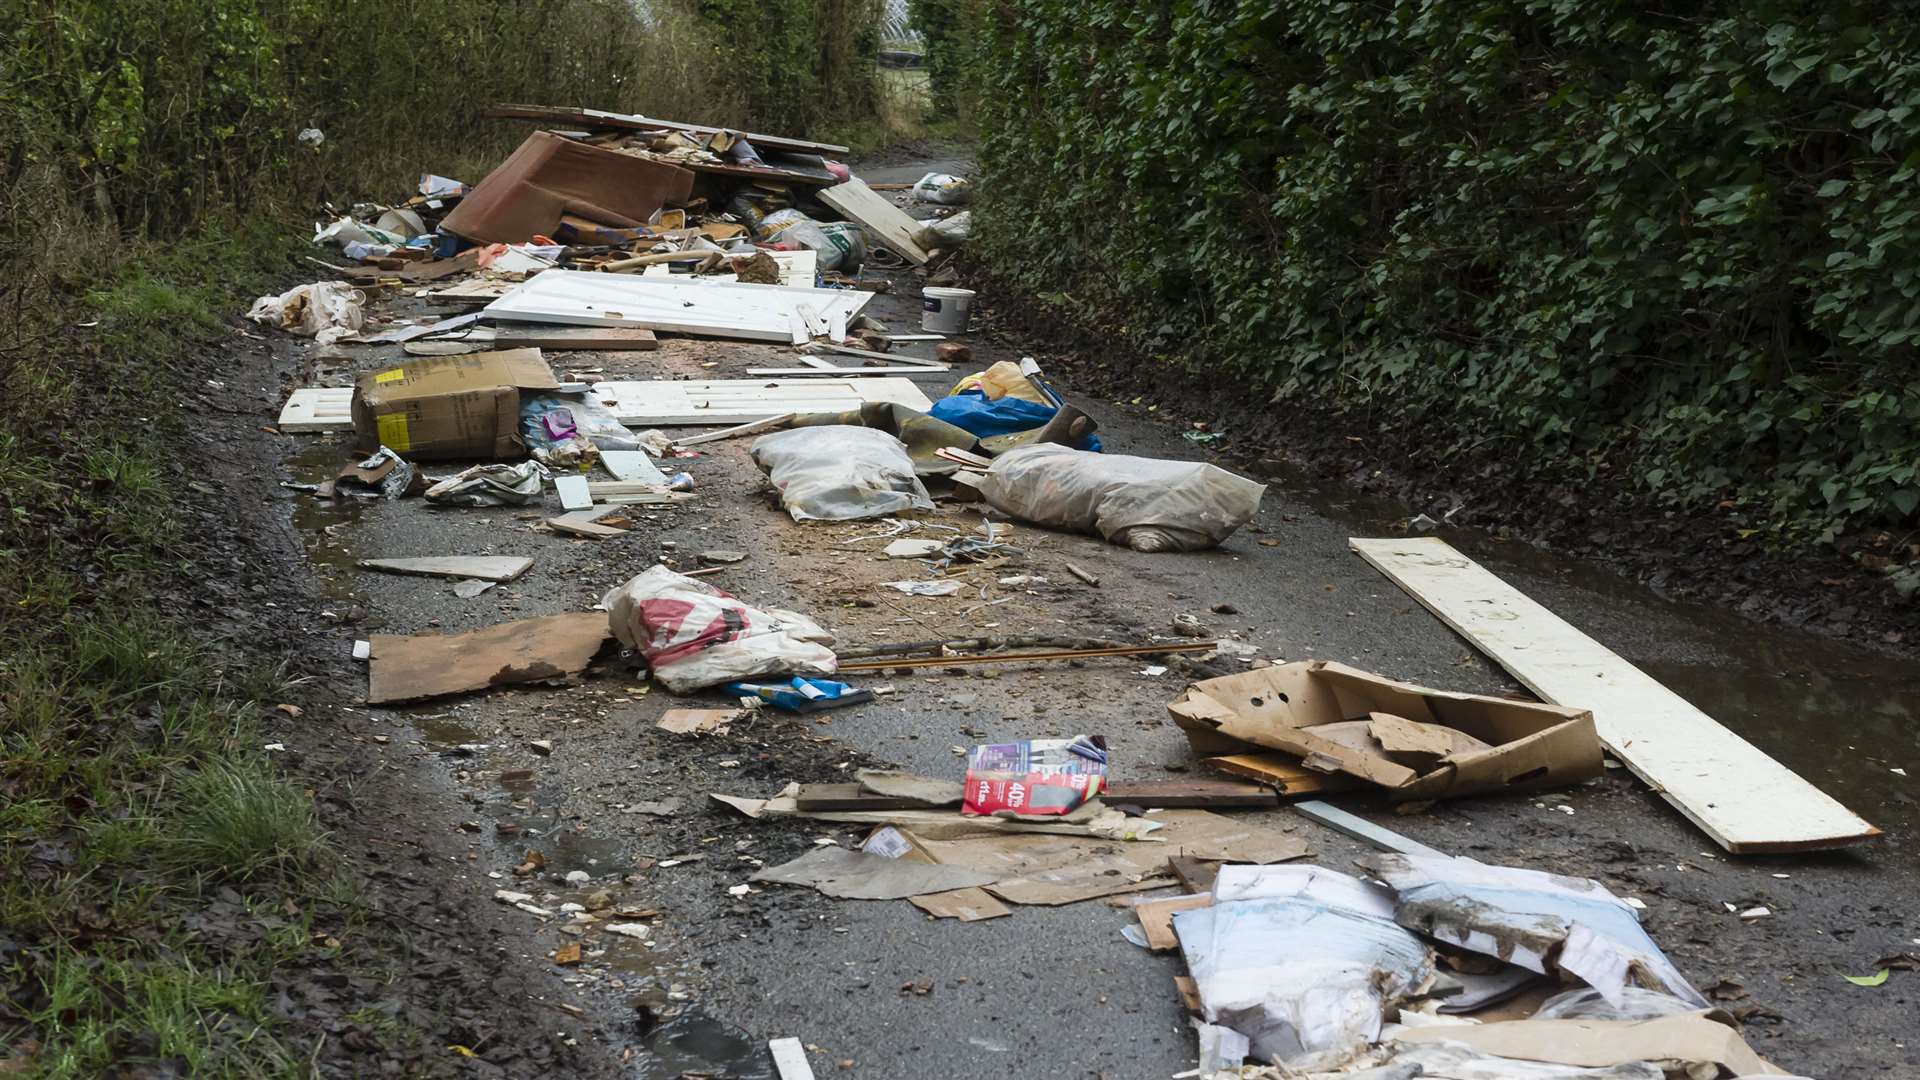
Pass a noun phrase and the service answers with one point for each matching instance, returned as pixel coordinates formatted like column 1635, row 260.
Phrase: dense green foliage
column 1677, row 245
column 151, row 180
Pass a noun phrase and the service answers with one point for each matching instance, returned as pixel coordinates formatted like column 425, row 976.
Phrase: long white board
column 1744, row 799
column 667, row 402
column 750, row 312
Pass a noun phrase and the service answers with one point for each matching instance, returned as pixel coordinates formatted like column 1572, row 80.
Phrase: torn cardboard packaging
column 1415, row 742
column 450, row 407
column 550, row 177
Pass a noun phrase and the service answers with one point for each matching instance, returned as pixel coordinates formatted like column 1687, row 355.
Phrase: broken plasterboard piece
column 484, row 567
column 585, row 523
column 696, row 721
column 673, row 402
column 633, row 465
column 317, row 408
column 573, row 492
column 790, row 1059
column 1744, row 799
column 406, row 668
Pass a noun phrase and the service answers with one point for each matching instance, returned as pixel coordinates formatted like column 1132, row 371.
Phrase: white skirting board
column 750, row 312
column 318, row 408
column 1745, row 800
column 668, row 402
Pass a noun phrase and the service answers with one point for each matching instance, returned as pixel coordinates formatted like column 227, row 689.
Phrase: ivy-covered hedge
column 1674, row 242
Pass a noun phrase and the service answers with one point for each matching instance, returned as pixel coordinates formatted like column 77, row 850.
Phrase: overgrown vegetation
column 155, row 868
column 1672, row 250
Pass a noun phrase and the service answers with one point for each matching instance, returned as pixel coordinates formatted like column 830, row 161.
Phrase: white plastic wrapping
column 693, row 635
column 840, row 472
column 325, row 311
column 1143, row 503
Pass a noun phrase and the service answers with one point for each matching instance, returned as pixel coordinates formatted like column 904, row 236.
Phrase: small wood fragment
column 753, row 427
column 1083, row 575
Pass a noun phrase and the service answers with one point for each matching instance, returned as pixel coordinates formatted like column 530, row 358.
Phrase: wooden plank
column 1205, row 794
column 318, row 408
column 666, row 402
column 747, row 312
column 573, row 492
column 837, row 372
column 1196, row 875
column 584, row 523
column 484, row 567
column 1282, row 771
column 581, row 338
column 1156, row 918
column 753, row 427
column 1744, row 799
column 873, row 354
column 790, row 1059
column 561, row 114
column 889, row 224
column 1359, row 828
column 1189, row 992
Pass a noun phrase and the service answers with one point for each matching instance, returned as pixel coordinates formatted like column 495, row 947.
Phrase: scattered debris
column 697, row 721
column 694, row 635
column 484, row 567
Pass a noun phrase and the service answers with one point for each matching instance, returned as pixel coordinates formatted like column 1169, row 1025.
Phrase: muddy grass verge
column 1695, row 556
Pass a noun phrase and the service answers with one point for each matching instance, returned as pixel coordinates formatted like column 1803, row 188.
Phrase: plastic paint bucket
column 945, row 311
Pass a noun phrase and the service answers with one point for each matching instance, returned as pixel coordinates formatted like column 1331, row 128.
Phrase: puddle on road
column 694, row 1042
column 1840, row 715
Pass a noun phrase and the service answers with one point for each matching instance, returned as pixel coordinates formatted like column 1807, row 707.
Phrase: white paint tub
column 945, row 311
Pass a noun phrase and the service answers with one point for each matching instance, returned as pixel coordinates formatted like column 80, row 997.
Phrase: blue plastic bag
column 970, row 411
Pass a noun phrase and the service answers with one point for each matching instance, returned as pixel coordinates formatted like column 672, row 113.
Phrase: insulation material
column 325, row 311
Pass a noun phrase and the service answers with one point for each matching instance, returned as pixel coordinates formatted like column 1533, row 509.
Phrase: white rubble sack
column 693, row 635
column 1143, row 503
column 839, row 472
column 325, row 311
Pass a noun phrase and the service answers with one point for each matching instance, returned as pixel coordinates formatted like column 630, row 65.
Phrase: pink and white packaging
column 694, row 635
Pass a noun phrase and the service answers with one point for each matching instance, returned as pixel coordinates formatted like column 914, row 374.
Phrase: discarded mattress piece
column 1531, row 918
column 1416, row 742
column 840, row 473
column 404, row 668
column 1303, row 961
column 694, row 635
column 550, row 176
column 856, row 875
column 1141, row 503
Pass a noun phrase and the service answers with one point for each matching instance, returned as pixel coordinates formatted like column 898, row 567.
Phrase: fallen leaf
column 1874, row 979
column 291, row 710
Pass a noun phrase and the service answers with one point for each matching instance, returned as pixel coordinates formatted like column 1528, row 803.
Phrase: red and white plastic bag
column 694, row 635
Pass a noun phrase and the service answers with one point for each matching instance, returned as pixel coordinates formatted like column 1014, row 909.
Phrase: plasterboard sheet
column 737, row 401
column 318, row 408
column 750, row 312
column 1744, row 799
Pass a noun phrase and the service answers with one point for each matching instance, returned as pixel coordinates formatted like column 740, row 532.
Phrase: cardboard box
column 550, row 177
column 450, row 407
column 1415, row 742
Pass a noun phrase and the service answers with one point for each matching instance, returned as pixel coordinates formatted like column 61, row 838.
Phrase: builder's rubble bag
column 693, row 635
column 1143, row 503
column 840, row 472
